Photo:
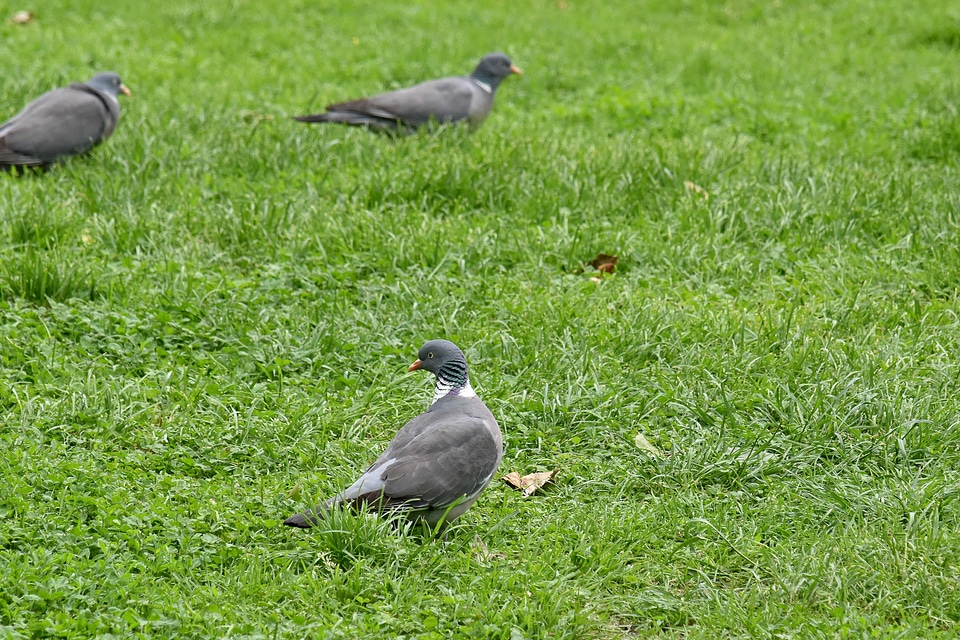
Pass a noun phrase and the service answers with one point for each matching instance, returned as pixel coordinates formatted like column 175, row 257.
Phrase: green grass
column 205, row 323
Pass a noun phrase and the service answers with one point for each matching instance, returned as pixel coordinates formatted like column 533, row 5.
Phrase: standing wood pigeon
column 439, row 462
column 63, row 122
column 442, row 101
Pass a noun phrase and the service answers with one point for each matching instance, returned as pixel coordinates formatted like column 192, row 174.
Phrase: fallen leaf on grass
column 604, row 263
column 22, row 17
column 529, row 483
column 645, row 445
column 696, row 189
column 482, row 552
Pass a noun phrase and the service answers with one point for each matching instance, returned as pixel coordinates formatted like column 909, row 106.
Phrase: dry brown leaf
column 22, row 17
column 529, row 483
column 604, row 263
column 697, row 189
column 561, row 5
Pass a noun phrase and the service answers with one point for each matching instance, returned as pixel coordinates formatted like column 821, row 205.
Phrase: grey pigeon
column 442, row 101
column 439, row 462
column 63, row 122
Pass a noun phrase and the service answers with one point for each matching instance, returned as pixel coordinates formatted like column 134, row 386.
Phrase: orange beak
column 416, row 365
column 515, row 69
column 125, row 91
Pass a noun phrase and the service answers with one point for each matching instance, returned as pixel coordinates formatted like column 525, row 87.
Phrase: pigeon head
column 493, row 68
column 437, row 355
column 110, row 83
column 444, row 359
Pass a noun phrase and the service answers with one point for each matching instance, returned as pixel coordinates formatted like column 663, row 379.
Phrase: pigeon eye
column 430, row 355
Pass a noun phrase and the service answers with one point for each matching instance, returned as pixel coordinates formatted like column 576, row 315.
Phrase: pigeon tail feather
column 314, row 117
column 355, row 119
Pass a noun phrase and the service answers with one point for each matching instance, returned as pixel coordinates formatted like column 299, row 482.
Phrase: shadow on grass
column 946, row 36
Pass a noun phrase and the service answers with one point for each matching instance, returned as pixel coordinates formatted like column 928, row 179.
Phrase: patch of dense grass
column 206, row 321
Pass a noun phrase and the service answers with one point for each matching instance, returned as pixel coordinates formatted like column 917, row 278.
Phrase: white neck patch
column 443, row 390
column 112, row 97
column 483, row 85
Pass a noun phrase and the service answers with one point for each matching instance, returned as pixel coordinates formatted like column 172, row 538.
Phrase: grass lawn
column 205, row 323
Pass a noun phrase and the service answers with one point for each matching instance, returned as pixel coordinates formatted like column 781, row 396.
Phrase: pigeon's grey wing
column 10, row 157
column 370, row 484
column 441, row 458
column 386, row 125
column 368, row 487
column 59, row 123
column 446, row 100
column 449, row 463
column 6, row 126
